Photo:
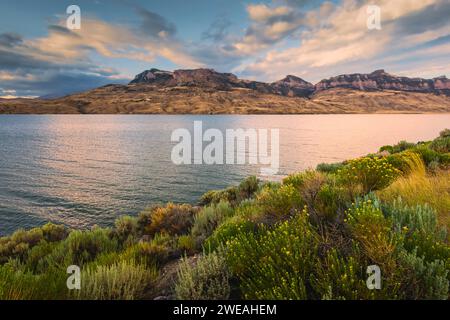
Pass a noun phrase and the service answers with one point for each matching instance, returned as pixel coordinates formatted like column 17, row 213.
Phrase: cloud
column 217, row 31
column 155, row 25
column 63, row 56
column 338, row 40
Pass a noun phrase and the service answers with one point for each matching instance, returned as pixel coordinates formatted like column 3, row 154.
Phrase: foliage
column 120, row 281
column 280, row 202
column 205, row 279
column 275, row 264
column 208, row 219
column 329, row 167
column 172, row 219
column 370, row 172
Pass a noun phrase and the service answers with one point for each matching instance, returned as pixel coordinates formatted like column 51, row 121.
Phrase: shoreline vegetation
column 311, row 236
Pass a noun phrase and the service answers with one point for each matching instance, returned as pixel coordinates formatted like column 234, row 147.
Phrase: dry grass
column 419, row 189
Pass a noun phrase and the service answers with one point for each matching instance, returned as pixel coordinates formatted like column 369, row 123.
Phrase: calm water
column 83, row 170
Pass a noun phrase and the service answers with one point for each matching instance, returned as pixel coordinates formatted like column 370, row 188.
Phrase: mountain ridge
column 205, row 91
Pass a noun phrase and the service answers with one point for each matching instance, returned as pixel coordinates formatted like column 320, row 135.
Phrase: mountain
column 380, row 80
column 205, row 91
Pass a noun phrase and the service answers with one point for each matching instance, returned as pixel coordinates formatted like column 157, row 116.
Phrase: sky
column 261, row 40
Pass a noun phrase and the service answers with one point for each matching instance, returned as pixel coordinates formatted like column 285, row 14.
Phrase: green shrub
column 408, row 162
column 422, row 279
column 207, row 220
column 53, row 232
column 147, row 253
column 229, row 229
column 399, row 147
column 371, row 173
column 329, row 167
column 340, row 278
column 17, row 284
column 120, row 281
column 280, row 202
column 441, row 145
column 420, row 228
column 275, row 264
column 206, row 279
column 186, row 244
column 172, row 219
column 125, row 227
column 233, row 195
column 372, row 230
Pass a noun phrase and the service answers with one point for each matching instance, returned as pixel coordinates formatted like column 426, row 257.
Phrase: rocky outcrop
column 381, row 80
column 293, row 86
column 208, row 78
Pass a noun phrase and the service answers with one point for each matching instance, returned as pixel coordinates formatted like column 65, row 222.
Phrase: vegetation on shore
column 311, row 236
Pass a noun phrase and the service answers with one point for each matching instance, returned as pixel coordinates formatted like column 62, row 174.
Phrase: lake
column 83, row 170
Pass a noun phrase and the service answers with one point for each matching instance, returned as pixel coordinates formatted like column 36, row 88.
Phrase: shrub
column 125, row 227
column 280, row 202
column 206, row 279
column 340, row 278
column 408, row 162
column 399, row 147
column 422, row 279
column 78, row 248
column 207, row 220
column 329, row 167
column 420, row 228
column 370, row 172
column 228, row 230
column 16, row 284
column 233, row 195
column 18, row 244
column 147, row 253
column 120, row 281
column 444, row 133
column 429, row 156
column 372, row 230
column 186, row 244
column 172, row 219
column 441, row 144
column 53, row 232
column 275, row 264
column 417, row 190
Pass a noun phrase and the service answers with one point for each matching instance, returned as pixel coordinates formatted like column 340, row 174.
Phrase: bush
column 371, row 173
column 420, row 228
column 53, row 232
column 125, row 227
column 441, row 145
column 206, row 279
column 233, row 195
column 172, row 219
column 418, row 190
column 399, row 147
column 372, row 230
column 149, row 254
column 422, row 279
column 340, row 278
column 208, row 219
column 408, row 162
column 329, row 167
column 280, row 202
column 275, row 264
column 228, row 230
column 120, row 281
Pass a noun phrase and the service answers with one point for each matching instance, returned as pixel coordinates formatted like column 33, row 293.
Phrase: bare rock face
column 381, row 80
column 208, row 78
column 293, row 86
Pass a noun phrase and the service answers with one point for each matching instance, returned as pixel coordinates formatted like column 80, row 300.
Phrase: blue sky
column 262, row 40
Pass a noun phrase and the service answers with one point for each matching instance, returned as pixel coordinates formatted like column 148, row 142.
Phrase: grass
column 415, row 189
